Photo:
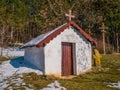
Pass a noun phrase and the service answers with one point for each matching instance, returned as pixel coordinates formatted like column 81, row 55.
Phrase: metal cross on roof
column 70, row 15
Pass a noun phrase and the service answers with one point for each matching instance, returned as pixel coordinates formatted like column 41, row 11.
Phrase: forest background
column 22, row 20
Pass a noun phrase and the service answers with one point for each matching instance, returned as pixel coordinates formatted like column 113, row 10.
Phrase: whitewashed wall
column 35, row 56
column 53, row 52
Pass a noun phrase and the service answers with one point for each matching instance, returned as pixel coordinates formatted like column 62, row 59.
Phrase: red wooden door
column 67, row 59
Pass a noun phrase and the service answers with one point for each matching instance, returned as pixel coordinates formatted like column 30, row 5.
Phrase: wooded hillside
column 22, row 20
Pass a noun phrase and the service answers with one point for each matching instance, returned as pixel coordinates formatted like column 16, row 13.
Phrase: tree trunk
column 2, row 40
column 117, row 43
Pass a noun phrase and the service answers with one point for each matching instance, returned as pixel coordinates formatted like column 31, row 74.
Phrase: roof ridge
column 51, row 34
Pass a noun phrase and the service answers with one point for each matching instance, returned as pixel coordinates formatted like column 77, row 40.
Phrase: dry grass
column 97, row 79
column 4, row 59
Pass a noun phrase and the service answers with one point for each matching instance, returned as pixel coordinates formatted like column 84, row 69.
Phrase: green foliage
column 29, row 18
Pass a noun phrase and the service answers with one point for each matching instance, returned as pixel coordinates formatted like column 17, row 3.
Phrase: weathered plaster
column 49, row 58
column 53, row 52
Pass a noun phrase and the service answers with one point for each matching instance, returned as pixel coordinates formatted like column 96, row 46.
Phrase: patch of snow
column 10, row 69
column 12, row 52
column 54, row 86
column 10, row 88
column 17, row 66
column 13, row 83
column 26, row 88
column 114, row 85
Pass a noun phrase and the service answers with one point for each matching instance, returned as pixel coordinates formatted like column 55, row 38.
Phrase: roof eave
column 43, row 42
column 88, row 37
column 51, row 36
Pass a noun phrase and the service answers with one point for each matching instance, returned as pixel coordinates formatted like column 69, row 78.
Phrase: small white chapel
column 63, row 51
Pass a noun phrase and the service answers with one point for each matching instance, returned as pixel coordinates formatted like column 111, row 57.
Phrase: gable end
column 61, row 29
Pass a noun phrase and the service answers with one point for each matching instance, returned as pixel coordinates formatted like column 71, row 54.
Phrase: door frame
column 73, row 57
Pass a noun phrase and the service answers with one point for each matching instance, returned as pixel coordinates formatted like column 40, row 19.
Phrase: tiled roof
column 41, row 40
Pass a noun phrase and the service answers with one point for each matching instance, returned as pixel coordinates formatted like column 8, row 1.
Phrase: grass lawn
column 97, row 79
